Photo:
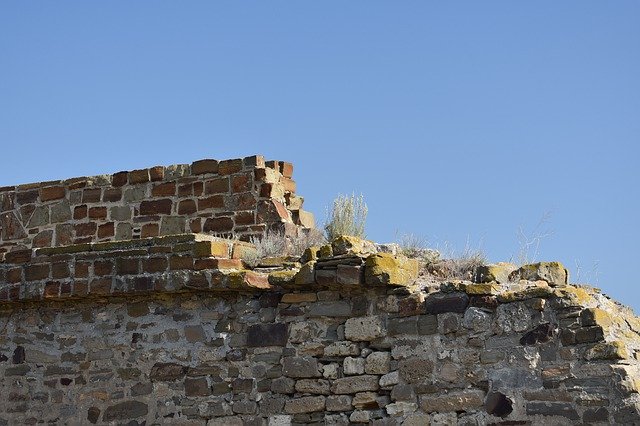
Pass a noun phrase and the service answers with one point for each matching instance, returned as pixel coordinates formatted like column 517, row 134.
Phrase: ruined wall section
column 175, row 330
column 241, row 197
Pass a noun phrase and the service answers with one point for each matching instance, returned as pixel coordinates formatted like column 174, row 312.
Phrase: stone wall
column 111, row 314
column 240, row 196
column 176, row 330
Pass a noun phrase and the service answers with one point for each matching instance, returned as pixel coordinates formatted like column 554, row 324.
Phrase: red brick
column 155, row 207
column 150, row 230
column 244, row 218
column 195, row 225
column 180, row 262
column 127, row 266
column 100, row 286
column 241, row 182
column 198, row 188
column 14, row 275
column 51, row 289
column 187, row 207
column 154, row 264
column 36, row 272
column 216, row 186
column 18, row 256
column 60, row 270
column 106, row 230
column 65, row 289
column 156, row 173
column 80, row 212
column 120, row 179
column 81, row 269
column 164, row 189
column 98, row 213
column 52, row 193
column 185, row 190
column 142, row 284
column 286, row 169
column 80, row 288
column 102, row 268
column 91, row 195
column 138, row 176
column 228, row 167
column 85, row 229
column 204, row 166
column 272, row 164
column 218, row 224
column 112, row 195
column 253, row 161
column 266, row 189
column 215, row 202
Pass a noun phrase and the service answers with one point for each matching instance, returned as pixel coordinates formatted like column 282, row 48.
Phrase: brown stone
column 166, row 189
column 138, row 176
column 125, row 266
column 218, row 224
column 112, row 195
column 214, row 202
column 98, row 213
column 11, row 227
column 106, row 230
column 148, row 208
column 52, row 193
column 101, row 286
column 80, row 212
column 101, row 268
column 120, row 179
column 91, row 195
column 86, row 229
column 228, row 167
column 204, row 166
column 180, row 262
column 36, row 272
column 18, row 256
column 242, row 182
column 447, row 302
column 125, row 410
column 196, row 387
column 187, row 207
column 156, row 173
column 217, row 186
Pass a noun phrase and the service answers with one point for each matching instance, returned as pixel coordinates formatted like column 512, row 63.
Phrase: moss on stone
column 387, row 269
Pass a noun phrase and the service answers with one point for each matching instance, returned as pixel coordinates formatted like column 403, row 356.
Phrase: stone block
column 386, row 269
column 615, row 350
column 306, row 404
column 313, row 386
column 553, row 273
column 355, row 384
column 300, row 367
column 559, row 409
column 439, row 303
column 378, row 363
column 364, row 328
column 415, row 370
column 124, row 411
column 339, row 403
column 352, row 366
column 467, row 400
column 497, row 272
column 259, row 335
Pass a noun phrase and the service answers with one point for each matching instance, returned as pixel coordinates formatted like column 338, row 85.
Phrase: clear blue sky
column 456, row 120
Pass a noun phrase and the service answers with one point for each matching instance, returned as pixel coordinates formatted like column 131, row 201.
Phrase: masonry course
column 178, row 329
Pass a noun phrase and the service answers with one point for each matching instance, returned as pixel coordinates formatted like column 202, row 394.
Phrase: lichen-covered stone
column 455, row 401
column 347, row 244
column 497, row 272
column 552, row 272
column 608, row 351
column 386, row 269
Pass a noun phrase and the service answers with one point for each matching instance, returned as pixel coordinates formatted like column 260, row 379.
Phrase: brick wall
column 240, row 196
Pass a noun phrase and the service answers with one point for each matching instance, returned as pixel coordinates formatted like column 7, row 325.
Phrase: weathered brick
column 52, row 193
column 36, row 272
column 106, row 230
column 214, row 202
column 138, row 176
column 150, row 230
column 98, row 213
column 267, row 335
column 228, row 167
column 218, row 224
column 80, row 212
column 156, row 173
column 154, row 264
column 166, row 189
column 187, row 207
column 112, row 195
column 86, row 229
column 156, row 207
column 204, row 166
column 120, row 179
column 217, row 186
column 91, row 195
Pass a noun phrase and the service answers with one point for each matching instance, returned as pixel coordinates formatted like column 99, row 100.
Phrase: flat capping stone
column 127, row 244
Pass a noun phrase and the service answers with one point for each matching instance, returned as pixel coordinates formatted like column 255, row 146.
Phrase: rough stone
column 364, row 328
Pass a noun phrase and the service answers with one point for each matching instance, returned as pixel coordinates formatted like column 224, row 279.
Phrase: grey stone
column 306, row 404
column 364, row 328
column 125, row 410
column 330, row 309
column 355, row 384
column 561, row 409
column 301, row 367
column 259, row 335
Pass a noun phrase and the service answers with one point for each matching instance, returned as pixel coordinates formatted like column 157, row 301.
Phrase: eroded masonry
column 124, row 301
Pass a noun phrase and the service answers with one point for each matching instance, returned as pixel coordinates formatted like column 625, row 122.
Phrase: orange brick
column 80, row 212
column 138, row 176
column 52, row 193
column 156, row 173
column 120, row 179
column 204, row 166
column 98, row 213
column 150, row 230
column 215, row 202
column 164, row 189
